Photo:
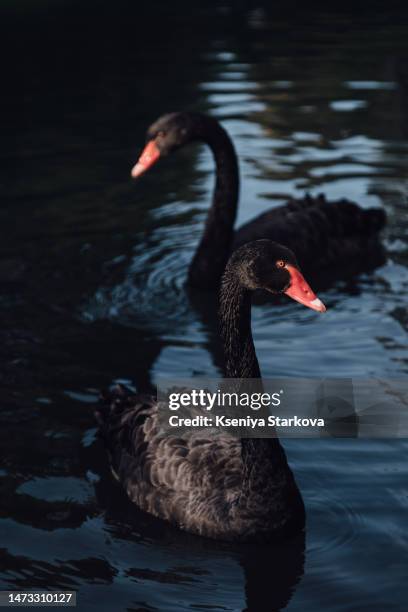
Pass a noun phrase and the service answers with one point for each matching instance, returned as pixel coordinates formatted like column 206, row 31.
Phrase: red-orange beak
column 300, row 291
column 149, row 156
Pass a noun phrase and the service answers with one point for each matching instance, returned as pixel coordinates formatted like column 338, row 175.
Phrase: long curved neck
column 262, row 457
column 212, row 253
column 235, row 317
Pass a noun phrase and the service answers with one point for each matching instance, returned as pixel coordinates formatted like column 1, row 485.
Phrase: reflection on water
column 92, row 269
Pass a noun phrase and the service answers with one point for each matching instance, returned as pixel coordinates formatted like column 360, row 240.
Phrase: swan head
column 264, row 264
column 165, row 135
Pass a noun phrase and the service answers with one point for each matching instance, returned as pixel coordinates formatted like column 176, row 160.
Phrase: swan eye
column 280, row 263
column 161, row 134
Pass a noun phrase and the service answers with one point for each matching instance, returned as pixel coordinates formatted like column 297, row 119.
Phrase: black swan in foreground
column 214, row 485
column 321, row 233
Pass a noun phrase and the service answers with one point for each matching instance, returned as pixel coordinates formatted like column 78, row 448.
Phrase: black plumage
column 339, row 236
column 213, row 485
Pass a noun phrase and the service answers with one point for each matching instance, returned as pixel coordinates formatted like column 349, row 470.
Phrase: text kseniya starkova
column 208, row 401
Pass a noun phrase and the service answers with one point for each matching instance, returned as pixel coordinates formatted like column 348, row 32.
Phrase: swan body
column 322, row 233
column 214, row 485
column 195, row 482
column 326, row 236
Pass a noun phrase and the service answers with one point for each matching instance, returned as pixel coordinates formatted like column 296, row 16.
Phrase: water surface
column 92, row 268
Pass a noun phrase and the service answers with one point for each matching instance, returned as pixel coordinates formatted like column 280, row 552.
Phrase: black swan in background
column 322, row 234
column 216, row 485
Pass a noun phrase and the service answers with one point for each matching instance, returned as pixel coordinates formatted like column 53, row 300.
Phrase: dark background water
column 92, row 269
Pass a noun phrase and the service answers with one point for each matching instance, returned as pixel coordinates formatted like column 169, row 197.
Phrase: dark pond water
column 92, row 269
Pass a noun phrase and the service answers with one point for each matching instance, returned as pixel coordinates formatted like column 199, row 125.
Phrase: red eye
column 280, row 263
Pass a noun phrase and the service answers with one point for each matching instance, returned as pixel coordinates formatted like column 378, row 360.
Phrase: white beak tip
column 318, row 305
column 137, row 170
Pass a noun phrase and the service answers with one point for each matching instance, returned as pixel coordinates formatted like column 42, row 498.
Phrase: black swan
column 215, row 486
column 322, row 234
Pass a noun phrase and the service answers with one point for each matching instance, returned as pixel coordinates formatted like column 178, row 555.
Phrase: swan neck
column 235, row 317
column 261, row 456
column 213, row 250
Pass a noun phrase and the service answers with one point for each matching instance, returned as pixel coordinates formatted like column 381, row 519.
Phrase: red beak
column 300, row 291
column 149, row 156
